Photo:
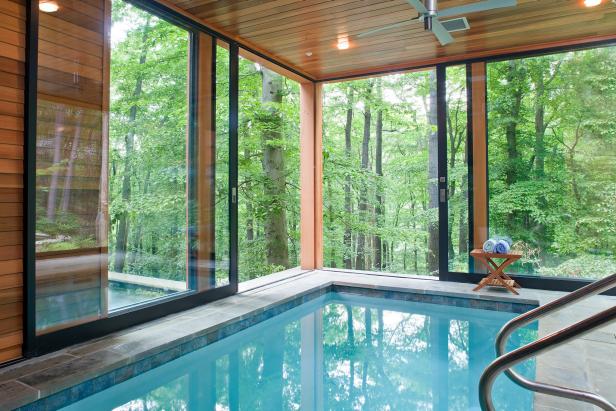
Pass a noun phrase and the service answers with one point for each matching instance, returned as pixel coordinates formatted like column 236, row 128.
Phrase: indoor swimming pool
column 337, row 352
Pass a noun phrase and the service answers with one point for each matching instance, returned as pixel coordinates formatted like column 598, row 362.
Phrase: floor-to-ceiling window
column 552, row 161
column 148, row 168
column 459, row 231
column 268, row 171
column 132, row 179
column 380, row 192
column 221, row 168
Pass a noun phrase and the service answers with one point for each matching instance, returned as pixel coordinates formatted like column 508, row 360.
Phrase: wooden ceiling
column 288, row 29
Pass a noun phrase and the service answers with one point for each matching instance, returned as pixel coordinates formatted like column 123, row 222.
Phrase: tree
column 360, row 259
column 433, row 227
column 274, row 169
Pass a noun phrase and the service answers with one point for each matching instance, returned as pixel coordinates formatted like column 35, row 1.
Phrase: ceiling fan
column 429, row 14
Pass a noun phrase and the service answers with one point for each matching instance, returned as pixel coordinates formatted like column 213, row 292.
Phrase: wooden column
column 480, row 155
column 311, row 201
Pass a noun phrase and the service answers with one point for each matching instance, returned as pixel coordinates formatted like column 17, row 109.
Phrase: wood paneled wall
column 12, row 71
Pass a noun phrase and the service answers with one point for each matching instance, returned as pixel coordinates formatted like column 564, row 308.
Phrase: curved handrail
column 526, row 318
column 542, row 345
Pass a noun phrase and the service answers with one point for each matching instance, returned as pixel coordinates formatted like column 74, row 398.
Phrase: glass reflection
column 125, row 206
column 339, row 353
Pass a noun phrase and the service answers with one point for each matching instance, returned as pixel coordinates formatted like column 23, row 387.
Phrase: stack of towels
column 497, row 245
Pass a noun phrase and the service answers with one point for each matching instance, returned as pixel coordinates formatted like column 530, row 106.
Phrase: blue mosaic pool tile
column 124, row 373
column 441, row 299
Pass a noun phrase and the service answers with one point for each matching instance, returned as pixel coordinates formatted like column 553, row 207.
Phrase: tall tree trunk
column 385, row 256
column 539, row 155
column 415, row 245
column 250, row 229
column 540, row 126
column 360, row 259
column 514, row 79
column 432, row 257
column 129, row 140
column 462, row 218
column 378, row 165
column 347, row 181
column 453, row 146
column 331, row 226
column 274, row 169
column 137, row 237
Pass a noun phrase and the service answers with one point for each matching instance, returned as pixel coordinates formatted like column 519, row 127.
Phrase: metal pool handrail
column 507, row 361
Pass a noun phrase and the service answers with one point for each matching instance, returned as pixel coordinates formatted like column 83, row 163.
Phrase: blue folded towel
column 488, row 245
column 502, row 247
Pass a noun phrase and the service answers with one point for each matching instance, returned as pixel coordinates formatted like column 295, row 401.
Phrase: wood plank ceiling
column 288, row 29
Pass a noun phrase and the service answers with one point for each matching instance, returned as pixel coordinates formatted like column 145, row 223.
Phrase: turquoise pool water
column 338, row 352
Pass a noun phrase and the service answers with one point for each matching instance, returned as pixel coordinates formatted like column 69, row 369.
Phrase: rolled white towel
column 488, row 245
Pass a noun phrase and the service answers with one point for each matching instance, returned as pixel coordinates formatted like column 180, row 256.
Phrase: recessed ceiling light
column 309, row 53
column 592, row 3
column 343, row 43
column 48, row 6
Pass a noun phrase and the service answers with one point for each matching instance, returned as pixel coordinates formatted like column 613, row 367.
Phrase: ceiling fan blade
column 380, row 29
column 419, row 6
column 441, row 33
column 476, row 7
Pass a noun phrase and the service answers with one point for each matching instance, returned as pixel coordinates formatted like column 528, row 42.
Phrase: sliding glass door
column 133, row 199
column 552, row 161
column 531, row 155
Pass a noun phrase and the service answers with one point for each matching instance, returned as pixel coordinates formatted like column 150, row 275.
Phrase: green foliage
column 147, row 154
column 263, row 126
column 551, row 158
column 397, row 203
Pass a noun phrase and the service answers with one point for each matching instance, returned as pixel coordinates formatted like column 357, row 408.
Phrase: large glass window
column 130, row 177
column 380, row 192
column 552, row 161
column 221, row 168
column 268, row 171
column 148, row 127
column 458, row 232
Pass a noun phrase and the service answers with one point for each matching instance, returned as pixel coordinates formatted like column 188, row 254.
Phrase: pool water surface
column 338, row 352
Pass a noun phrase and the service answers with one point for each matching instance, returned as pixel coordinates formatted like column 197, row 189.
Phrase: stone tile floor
column 589, row 363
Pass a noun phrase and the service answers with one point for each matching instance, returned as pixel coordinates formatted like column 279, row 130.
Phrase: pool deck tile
column 13, row 394
column 588, row 363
